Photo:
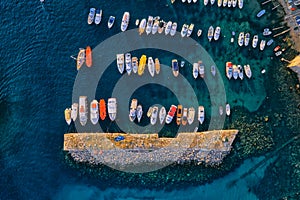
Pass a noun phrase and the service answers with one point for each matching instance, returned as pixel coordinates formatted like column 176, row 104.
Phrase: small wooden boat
column 191, row 115
column 162, row 115
column 102, row 109
column 157, row 66
column 88, row 56
column 80, row 58
column 68, row 115
column 179, row 114
column 184, row 116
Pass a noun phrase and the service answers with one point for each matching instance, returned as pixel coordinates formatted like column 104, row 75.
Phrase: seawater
column 37, row 79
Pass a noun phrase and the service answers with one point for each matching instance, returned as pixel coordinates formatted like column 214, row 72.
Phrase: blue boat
column 175, row 67
column 119, row 138
column 261, row 13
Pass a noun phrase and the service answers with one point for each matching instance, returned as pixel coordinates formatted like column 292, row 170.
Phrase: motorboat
column 154, row 115
column 190, row 30
column 229, row 70
column 157, row 66
column 128, row 63
column 112, row 108
column 74, row 112
column 125, row 21
column 241, row 72
column 149, row 25
column 120, row 63
column 261, row 13
column 205, row 2
column 134, row 64
column 195, row 70
column 217, row 33
column 162, row 115
column 232, row 37
column 262, row 45
column 210, row 33
column 68, row 115
column 111, row 21
column 184, row 30
column 227, row 108
column 221, row 110
column 137, row 22
column 179, row 115
column 270, row 42
column 213, row 70
column 161, row 26
column 142, row 65
column 168, row 27
column 155, row 26
column 139, row 113
column 173, row 29
column 248, row 71
column 254, row 41
column 94, row 112
column 229, row 3
column 133, row 108
column 83, row 110
column 212, row 2
column 80, row 58
column 184, row 116
column 199, row 32
column 182, row 63
column 241, row 3
column 175, row 67
column 91, row 15
column 149, row 112
column 235, row 73
column 201, row 114
column 241, row 39
column 276, row 48
column 98, row 17
column 234, row 3
column 191, row 115
column 201, row 69
column 171, row 114
column 219, row 3
column 225, row 3
column 88, row 56
column 247, row 39
column 267, row 32
column 142, row 26
column 102, row 109
column 151, row 67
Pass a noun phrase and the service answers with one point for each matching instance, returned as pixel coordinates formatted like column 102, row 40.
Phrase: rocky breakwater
column 295, row 65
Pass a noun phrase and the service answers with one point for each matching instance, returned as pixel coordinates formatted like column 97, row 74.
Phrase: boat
column 102, row 109
column 267, row 32
column 98, row 17
column 227, row 108
column 125, row 21
column 137, row 22
column 132, row 111
column 201, row 69
column 173, row 29
column 91, row 15
column 68, row 115
column 184, row 30
column 212, row 2
column 205, row 2
column 151, row 66
column 247, row 39
column 248, row 71
column 235, row 73
column 179, row 115
column 149, row 112
column 217, row 33
column 142, row 26
column 94, row 112
column 241, row 72
column 241, row 4
column 241, row 39
column 175, row 67
column 234, row 2
column 270, row 42
column 191, row 115
column 162, row 115
column 278, row 53
column 201, row 114
column 161, row 26
column 128, row 63
column 229, row 70
column 189, row 1
column 232, row 38
column 157, row 66
column 168, row 27
column 74, row 111
column 195, row 70
column 88, row 56
column 199, row 32
column 219, row 3
column 83, row 110
column 221, row 110
column 154, row 114
column 155, row 26
column 112, row 108
column 134, row 64
column 262, row 45
column 213, row 70
column 171, row 114
column 142, row 65
column 225, row 3
column 254, row 41
column 80, row 58
column 261, row 13
column 120, row 63
column 184, row 116
column 149, row 25
column 276, row 48
column 182, row 63
column 229, row 3
column 194, row 1
column 139, row 112
column 111, row 21
column 210, row 33
column 190, row 30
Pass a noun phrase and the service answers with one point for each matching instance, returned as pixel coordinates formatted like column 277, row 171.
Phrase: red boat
column 88, row 56
column 102, row 109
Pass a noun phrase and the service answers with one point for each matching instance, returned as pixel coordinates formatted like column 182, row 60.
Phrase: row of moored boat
column 226, row 3
column 237, row 71
column 244, row 40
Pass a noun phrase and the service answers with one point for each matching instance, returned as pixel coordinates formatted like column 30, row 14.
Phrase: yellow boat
column 80, row 58
column 68, row 115
column 142, row 65
column 157, row 66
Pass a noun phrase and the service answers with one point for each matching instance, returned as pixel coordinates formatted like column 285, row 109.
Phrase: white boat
column 94, row 112
column 199, row 33
column 182, row 63
column 210, row 33
column 155, row 26
column 221, row 110
column 134, row 64
column 241, row 72
column 154, row 114
column 235, row 73
column 112, row 108
column 171, row 114
column 151, row 66
column 190, row 30
column 98, row 17
column 229, row 70
column 161, row 26
column 175, row 67
column 201, row 114
column 142, row 26
column 241, row 4
column 201, row 69
column 248, row 71
column 74, row 111
column 111, row 21
column 254, row 41
column 227, row 108
column 241, row 39
column 120, row 63
column 195, row 1
column 212, row 2
column 184, row 116
column 83, row 110
column 225, row 3
column 234, row 2
column 91, row 15
column 149, row 25
column 183, row 1
column 205, row 2
column 262, row 45
column 213, row 70
column 217, row 33
column 173, row 29
column 128, row 63
column 189, row 1
column 137, row 22
column 247, row 39
column 184, row 30
column 229, row 3
column 219, row 3
column 195, row 70
column 68, row 117
column 139, row 112
column 267, row 32
column 168, row 27
column 125, row 21
column 191, row 115
column 162, row 115
column 133, row 108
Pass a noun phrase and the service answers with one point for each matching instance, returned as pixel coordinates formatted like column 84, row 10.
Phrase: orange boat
column 88, row 56
column 102, row 109
column 179, row 114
